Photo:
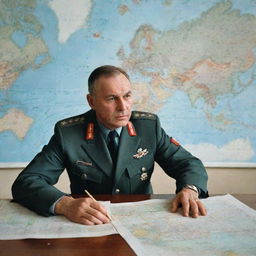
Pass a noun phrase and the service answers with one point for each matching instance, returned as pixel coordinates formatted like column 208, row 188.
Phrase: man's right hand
column 82, row 210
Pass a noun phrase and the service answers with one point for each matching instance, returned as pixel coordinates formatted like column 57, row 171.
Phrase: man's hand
column 82, row 210
column 190, row 203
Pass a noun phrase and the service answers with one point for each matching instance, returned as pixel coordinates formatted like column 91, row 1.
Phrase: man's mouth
column 122, row 117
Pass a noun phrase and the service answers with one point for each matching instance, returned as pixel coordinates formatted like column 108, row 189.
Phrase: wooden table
column 113, row 245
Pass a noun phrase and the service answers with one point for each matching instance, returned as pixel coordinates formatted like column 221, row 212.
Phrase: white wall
column 221, row 181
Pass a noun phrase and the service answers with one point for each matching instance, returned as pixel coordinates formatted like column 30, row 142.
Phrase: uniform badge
column 90, row 132
column 144, row 175
column 175, row 142
column 131, row 129
column 140, row 153
column 80, row 162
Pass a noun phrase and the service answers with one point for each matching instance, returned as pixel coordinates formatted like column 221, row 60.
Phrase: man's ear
column 90, row 100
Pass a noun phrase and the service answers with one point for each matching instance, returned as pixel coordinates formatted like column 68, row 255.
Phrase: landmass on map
column 16, row 121
column 21, row 48
column 71, row 17
column 200, row 58
column 20, row 24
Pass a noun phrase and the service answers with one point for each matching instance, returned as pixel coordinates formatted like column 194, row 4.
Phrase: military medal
column 90, row 132
column 140, row 153
column 144, row 175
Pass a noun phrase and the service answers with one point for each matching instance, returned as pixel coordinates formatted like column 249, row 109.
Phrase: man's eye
column 110, row 98
column 128, row 96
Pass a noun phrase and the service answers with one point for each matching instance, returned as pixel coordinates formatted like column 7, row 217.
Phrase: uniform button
column 84, row 176
column 143, row 169
column 117, row 191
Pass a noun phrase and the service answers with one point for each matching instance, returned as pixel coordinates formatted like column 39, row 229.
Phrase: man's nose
column 121, row 104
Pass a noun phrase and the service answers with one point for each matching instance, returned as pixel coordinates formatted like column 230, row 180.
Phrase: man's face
column 112, row 100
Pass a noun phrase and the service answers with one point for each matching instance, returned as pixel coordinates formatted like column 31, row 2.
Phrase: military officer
column 108, row 150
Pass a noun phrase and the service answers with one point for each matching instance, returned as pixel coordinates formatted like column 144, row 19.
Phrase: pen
column 87, row 192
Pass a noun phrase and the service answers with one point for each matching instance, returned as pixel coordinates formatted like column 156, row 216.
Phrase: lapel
column 97, row 149
column 127, row 148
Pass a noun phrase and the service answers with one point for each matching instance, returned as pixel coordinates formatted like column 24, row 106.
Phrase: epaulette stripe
column 143, row 115
column 72, row 121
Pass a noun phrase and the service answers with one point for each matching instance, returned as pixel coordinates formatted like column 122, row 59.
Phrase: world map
column 190, row 62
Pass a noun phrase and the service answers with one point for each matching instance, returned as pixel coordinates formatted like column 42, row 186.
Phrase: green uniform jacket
column 89, row 164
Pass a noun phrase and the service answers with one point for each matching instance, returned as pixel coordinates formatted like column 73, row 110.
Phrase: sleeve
column 178, row 163
column 33, row 187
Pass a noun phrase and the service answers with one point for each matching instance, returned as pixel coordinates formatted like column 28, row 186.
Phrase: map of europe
column 190, row 62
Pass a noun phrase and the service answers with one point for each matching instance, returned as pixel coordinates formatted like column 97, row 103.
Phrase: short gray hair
column 106, row 70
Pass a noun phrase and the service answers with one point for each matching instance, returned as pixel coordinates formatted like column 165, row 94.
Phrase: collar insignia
column 131, row 129
column 90, row 132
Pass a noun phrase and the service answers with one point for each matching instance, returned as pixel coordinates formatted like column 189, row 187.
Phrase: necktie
column 112, row 145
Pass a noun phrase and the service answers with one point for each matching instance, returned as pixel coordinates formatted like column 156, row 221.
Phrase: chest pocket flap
column 88, row 173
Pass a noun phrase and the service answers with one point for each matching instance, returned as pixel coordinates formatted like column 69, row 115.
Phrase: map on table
column 149, row 227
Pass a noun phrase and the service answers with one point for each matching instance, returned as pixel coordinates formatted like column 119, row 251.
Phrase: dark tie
column 113, row 146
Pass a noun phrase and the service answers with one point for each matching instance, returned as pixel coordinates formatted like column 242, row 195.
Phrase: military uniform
column 78, row 146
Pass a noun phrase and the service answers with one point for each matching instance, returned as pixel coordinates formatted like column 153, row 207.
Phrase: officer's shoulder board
column 72, row 121
column 143, row 115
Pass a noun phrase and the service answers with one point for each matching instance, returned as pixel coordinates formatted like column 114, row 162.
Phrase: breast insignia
column 140, row 153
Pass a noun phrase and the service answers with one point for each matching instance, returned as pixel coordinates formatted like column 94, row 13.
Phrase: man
column 122, row 163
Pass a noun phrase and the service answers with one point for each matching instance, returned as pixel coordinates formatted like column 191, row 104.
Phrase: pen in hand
column 96, row 201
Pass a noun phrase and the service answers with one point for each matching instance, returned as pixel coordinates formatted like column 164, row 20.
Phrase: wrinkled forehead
column 114, row 82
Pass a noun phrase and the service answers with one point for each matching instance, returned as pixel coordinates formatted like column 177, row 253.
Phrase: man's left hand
column 191, row 205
